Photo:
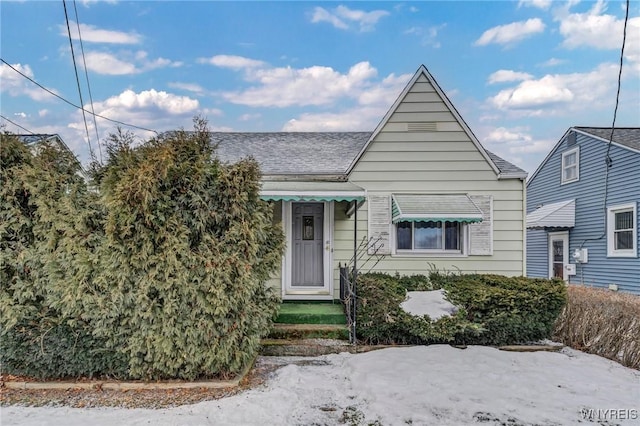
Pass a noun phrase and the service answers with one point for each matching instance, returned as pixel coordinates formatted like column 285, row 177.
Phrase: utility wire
column 17, row 125
column 608, row 161
column 75, row 68
column 72, row 104
column 86, row 74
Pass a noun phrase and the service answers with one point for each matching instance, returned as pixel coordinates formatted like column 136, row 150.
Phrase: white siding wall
column 440, row 161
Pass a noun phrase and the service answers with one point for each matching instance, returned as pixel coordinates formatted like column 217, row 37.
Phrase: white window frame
column 611, row 223
column 565, row 154
column 463, row 235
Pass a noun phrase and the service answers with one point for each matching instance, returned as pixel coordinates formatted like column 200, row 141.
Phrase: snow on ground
column 430, row 303
column 424, row 385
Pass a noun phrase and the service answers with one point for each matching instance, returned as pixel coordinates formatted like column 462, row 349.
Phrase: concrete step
column 303, row 347
column 309, row 331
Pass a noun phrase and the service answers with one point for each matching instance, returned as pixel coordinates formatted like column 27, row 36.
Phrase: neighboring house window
column 571, row 165
column 434, row 236
column 622, row 231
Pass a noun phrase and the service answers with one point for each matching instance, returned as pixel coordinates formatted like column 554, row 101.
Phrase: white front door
column 558, row 255
column 308, row 257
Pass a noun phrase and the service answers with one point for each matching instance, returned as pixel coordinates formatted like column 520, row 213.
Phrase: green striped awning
column 311, row 191
column 426, row 208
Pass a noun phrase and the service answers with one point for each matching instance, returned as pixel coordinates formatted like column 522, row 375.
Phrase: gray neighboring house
column 418, row 190
column 573, row 231
column 33, row 140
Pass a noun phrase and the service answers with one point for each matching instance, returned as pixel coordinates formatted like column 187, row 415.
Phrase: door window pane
column 307, row 228
column 558, row 251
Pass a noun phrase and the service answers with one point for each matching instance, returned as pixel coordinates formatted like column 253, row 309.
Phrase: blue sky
column 519, row 72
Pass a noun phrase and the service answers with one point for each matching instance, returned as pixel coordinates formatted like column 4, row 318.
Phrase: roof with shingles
column 300, row 153
column 293, row 152
column 505, row 167
column 627, row 136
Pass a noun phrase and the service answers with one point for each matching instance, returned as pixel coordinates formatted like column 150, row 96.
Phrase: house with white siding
column 418, row 192
column 582, row 205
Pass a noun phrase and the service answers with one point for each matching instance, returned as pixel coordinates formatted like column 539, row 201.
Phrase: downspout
column 524, row 231
column 355, row 272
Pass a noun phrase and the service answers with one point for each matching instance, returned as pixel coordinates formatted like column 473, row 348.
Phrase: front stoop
column 309, row 331
column 303, row 347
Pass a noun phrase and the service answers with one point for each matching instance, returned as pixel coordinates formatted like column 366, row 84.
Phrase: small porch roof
column 555, row 215
column 425, row 208
column 311, row 191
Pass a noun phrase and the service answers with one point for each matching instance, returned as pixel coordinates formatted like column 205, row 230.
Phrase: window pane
column 624, row 220
column 570, row 173
column 570, row 159
column 404, row 235
column 428, row 235
column 624, row 240
column 452, row 236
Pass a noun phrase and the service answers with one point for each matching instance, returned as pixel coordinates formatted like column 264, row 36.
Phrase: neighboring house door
column 558, row 255
column 307, row 246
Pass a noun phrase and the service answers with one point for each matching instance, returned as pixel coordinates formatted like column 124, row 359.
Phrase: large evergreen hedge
column 493, row 309
column 157, row 272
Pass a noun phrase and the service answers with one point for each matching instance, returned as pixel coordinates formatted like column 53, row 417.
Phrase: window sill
column 410, row 254
column 628, row 255
column 566, row 182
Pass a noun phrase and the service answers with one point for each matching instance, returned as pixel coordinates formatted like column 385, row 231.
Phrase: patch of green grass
column 311, row 313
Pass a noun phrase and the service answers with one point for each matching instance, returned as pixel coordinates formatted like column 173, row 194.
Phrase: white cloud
column 20, row 114
column 511, row 33
column 249, row 117
column 125, row 63
column 43, row 113
column 540, row 4
column 428, row 36
column 516, row 144
column 16, row 85
column 554, row 93
column 553, row 62
column 373, row 103
column 355, row 119
column 147, row 101
column 92, row 34
column 189, row 87
column 341, row 17
column 231, row 61
column 596, row 29
column 502, row 76
column 315, row 85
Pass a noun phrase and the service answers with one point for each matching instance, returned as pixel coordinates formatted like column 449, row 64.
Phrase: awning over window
column 556, row 215
column 425, row 208
column 311, row 191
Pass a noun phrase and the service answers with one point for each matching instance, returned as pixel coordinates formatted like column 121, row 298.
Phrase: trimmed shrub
column 510, row 309
column 493, row 309
column 601, row 322
column 381, row 320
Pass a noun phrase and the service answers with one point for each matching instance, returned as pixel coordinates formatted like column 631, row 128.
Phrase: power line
column 17, row 125
column 86, row 74
column 72, row 104
column 75, row 68
column 607, row 159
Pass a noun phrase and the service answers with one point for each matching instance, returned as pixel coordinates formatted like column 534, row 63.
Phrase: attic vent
column 422, row 127
column 571, row 139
